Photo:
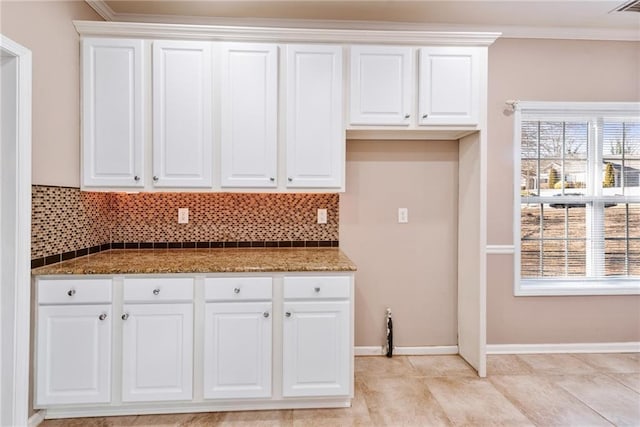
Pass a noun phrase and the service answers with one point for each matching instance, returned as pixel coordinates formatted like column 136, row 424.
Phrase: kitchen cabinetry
column 237, row 341
column 317, row 346
column 73, row 342
column 315, row 139
column 157, row 345
column 249, row 115
column 112, row 113
column 381, row 85
column 182, row 114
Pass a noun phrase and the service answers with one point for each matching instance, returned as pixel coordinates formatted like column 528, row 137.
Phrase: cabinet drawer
column 237, row 288
column 70, row 291
column 158, row 289
column 317, row 287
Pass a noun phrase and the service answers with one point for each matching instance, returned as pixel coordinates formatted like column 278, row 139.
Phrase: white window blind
column 577, row 210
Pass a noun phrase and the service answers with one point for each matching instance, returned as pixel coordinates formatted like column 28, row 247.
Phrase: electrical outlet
column 322, row 216
column 403, row 215
column 183, row 215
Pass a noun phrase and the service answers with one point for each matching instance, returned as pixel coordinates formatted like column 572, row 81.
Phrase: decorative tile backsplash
column 67, row 222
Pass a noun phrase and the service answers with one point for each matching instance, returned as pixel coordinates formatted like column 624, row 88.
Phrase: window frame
column 587, row 111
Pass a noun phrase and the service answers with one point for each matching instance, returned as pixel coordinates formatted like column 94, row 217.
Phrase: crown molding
column 284, row 35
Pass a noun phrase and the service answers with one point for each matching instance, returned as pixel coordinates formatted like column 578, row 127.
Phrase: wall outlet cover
column 322, row 216
column 183, row 215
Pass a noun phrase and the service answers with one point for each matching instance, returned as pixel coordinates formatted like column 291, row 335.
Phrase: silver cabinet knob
column 156, row 291
column 136, row 178
column 102, row 316
column 272, row 179
column 125, row 316
column 265, row 314
column 288, row 314
column 316, row 289
column 71, row 292
column 289, row 179
column 424, row 116
column 406, row 116
column 236, row 290
column 155, row 178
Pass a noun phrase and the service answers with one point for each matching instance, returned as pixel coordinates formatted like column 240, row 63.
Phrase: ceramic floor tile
column 76, row 422
column 257, row 418
column 611, row 362
column 545, row 403
column 380, row 366
column 630, row 380
column 556, row 364
column 611, row 399
column 475, row 401
column 402, row 401
column 442, row 366
column 358, row 412
column 507, row 364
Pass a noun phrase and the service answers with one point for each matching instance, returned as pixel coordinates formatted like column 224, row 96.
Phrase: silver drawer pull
column 71, row 292
column 316, row 289
column 424, row 116
column 136, row 178
column 102, row 316
column 156, row 291
column 406, row 116
column 236, row 290
column 288, row 314
column 265, row 314
column 125, row 316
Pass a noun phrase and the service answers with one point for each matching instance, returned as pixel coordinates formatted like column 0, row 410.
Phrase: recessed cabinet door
column 316, row 353
column 249, row 126
column 237, row 350
column 315, row 138
column 157, row 351
column 112, row 113
column 449, row 92
column 182, row 123
column 74, row 354
column 381, row 85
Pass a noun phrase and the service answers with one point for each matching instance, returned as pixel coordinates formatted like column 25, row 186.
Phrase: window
column 577, row 198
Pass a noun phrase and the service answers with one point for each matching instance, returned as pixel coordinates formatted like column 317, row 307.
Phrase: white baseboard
column 605, row 347
column 407, row 351
column 36, row 418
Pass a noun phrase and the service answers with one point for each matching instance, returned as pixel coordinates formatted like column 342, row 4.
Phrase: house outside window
column 577, row 198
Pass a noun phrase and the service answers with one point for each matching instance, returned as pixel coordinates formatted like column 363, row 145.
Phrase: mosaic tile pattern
column 67, row 223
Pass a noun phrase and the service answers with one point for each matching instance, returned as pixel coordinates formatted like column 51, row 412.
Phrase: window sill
column 575, row 287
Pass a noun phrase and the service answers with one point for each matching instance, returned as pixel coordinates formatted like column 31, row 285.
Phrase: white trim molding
column 37, row 418
column 605, row 347
column 500, row 249
column 407, row 351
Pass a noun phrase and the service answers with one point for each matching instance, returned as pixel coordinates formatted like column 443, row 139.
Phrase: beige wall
column 550, row 70
column 45, row 27
column 411, row 268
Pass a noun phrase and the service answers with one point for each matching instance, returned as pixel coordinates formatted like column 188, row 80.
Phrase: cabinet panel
column 237, row 349
column 249, row 97
column 74, row 354
column 157, row 352
column 112, row 113
column 316, row 349
column 381, row 85
column 182, row 124
column 315, row 139
column 449, row 86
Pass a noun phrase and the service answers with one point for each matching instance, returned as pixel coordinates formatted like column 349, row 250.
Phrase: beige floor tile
column 257, row 418
column 442, row 366
column 381, row 366
column 357, row 412
column 76, row 422
column 556, row 364
column 475, row 401
column 630, row 380
column 545, row 403
column 402, row 402
column 604, row 362
column 507, row 364
column 611, row 399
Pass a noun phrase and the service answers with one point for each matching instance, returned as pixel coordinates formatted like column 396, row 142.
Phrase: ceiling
column 526, row 18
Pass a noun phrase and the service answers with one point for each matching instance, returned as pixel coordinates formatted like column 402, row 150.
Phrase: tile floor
column 543, row 390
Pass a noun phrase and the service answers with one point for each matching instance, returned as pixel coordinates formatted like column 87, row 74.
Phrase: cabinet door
column 249, row 96
column 73, row 354
column 112, row 113
column 157, row 351
column 237, row 350
column 316, row 349
column 381, row 85
column 314, row 129
column 182, row 127
column 449, row 86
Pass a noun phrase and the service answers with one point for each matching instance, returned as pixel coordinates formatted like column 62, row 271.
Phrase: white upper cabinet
column 381, row 85
column 449, row 88
column 315, row 138
column 112, row 113
column 182, row 114
column 249, row 112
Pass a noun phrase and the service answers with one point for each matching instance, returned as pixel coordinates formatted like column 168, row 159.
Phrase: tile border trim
column 407, row 351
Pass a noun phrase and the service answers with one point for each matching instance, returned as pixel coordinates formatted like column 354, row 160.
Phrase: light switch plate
column 403, row 215
column 183, row 215
column 322, row 216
